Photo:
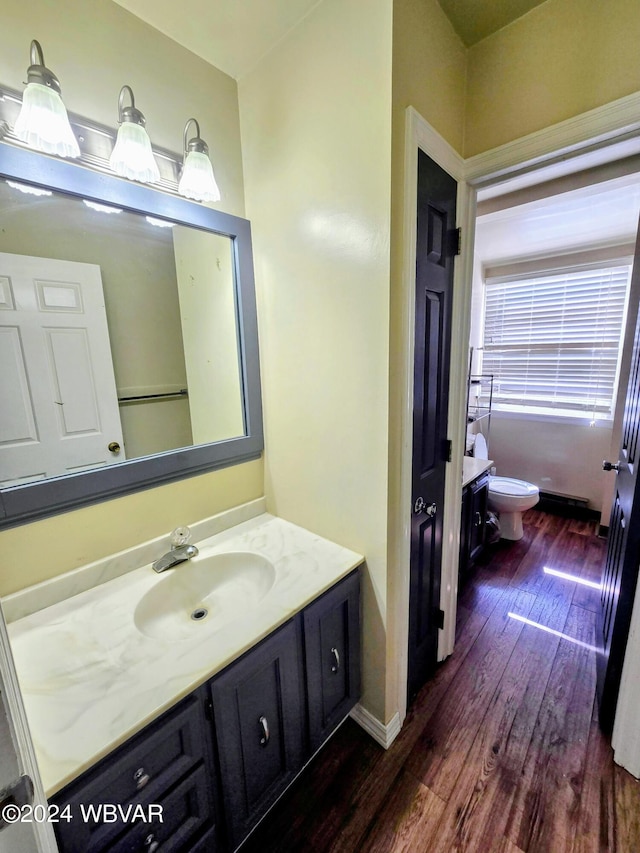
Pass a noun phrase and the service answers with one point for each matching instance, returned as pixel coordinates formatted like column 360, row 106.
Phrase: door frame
column 605, row 134
column 17, row 719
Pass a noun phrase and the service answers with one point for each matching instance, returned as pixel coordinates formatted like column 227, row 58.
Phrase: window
column 552, row 340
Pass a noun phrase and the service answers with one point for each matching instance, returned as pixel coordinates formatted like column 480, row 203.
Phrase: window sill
column 567, row 420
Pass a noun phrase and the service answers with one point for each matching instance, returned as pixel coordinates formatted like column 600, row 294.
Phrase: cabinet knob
column 264, row 730
column 141, row 778
column 150, row 843
column 336, row 659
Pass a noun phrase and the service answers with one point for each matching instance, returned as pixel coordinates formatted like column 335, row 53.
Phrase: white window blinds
column 552, row 341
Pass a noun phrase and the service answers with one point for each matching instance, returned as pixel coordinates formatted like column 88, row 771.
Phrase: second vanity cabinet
column 231, row 747
column 475, row 497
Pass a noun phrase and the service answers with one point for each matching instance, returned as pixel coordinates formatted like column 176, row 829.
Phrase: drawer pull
column 150, row 843
column 264, row 729
column 478, row 522
column 336, row 658
column 141, row 778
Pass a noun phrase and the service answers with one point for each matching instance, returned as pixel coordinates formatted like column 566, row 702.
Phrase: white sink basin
column 204, row 594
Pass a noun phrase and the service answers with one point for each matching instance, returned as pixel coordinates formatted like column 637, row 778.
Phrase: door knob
column 113, row 447
column 421, row 506
column 610, row 466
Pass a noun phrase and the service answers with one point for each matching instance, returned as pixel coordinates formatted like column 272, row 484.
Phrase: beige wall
column 316, row 132
column 95, row 48
column 561, row 59
column 557, row 457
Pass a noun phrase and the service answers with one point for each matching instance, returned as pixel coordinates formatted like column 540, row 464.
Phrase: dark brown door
column 435, row 248
column 620, row 576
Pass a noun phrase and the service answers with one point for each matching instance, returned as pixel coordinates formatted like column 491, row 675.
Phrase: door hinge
column 448, row 450
column 439, row 618
column 455, row 241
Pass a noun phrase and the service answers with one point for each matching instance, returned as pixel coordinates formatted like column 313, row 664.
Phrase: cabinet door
column 332, row 656
column 478, row 514
column 465, row 530
column 259, row 722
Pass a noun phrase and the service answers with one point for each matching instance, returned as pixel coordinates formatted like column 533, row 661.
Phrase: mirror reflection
column 118, row 336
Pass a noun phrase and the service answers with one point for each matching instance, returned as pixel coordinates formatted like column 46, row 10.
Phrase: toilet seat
column 511, row 486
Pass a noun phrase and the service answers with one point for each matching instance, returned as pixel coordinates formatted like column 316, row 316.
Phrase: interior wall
column 94, row 48
column 316, row 132
column 563, row 58
column 557, row 457
column 432, row 81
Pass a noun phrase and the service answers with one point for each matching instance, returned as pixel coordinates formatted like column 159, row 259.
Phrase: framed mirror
column 128, row 337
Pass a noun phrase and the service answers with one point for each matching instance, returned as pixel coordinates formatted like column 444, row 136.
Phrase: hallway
column 501, row 751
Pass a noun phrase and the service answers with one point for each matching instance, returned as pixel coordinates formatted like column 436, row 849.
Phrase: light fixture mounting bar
column 96, row 142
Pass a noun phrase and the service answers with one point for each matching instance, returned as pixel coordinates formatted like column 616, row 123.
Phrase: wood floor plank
column 595, row 831
column 440, row 753
column 627, row 804
column 408, row 820
column 545, row 813
column 588, row 596
column 480, row 803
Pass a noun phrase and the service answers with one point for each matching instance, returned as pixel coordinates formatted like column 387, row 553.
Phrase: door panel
column 434, row 293
column 620, row 575
column 58, row 401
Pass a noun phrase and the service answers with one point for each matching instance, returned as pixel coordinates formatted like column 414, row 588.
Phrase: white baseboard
column 384, row 735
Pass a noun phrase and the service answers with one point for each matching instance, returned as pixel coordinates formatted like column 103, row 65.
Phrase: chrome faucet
column 180, row 551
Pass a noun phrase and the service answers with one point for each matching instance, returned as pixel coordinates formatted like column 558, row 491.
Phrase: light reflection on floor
column 558, row 574
column 552, row 631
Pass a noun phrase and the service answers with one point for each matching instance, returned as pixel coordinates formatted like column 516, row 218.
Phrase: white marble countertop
column 472, row 468
column 90, row 679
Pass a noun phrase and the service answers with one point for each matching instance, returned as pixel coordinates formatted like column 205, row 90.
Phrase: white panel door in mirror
column 60, row 386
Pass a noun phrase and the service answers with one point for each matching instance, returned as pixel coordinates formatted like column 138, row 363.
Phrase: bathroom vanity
column 475, row 492
column 197, row 732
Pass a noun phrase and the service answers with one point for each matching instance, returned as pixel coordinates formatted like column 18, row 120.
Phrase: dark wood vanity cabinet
column 258, row 710
column 166, row 773
column 332, row 657
column 473, row 521
column 231, row 747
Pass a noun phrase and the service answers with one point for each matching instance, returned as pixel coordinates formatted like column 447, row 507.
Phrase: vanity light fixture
column 159, row 223
column 197, row 180
column 27, row 189
column 132, row 156
column 43, row 123
column 101, row 208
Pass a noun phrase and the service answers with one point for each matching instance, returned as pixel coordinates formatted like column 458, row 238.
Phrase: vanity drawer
column 140, row 771
column 186, row 811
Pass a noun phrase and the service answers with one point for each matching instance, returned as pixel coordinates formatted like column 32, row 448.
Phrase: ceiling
column 234, row 35
column 474, row 20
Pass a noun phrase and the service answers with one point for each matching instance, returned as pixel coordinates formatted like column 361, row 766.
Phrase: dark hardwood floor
column 501, row 751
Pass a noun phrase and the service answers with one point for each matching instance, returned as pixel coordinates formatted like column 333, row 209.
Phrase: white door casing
column 17, row 757
column 58, row 400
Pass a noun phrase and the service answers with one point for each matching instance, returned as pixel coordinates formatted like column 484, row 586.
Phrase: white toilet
column 508, row 497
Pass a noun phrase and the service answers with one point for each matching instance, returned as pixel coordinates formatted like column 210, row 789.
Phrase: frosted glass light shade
column 43, row 123
column 197, row 181
column 132, row 156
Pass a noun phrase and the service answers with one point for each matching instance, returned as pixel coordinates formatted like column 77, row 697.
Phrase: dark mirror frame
column 19, row 504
